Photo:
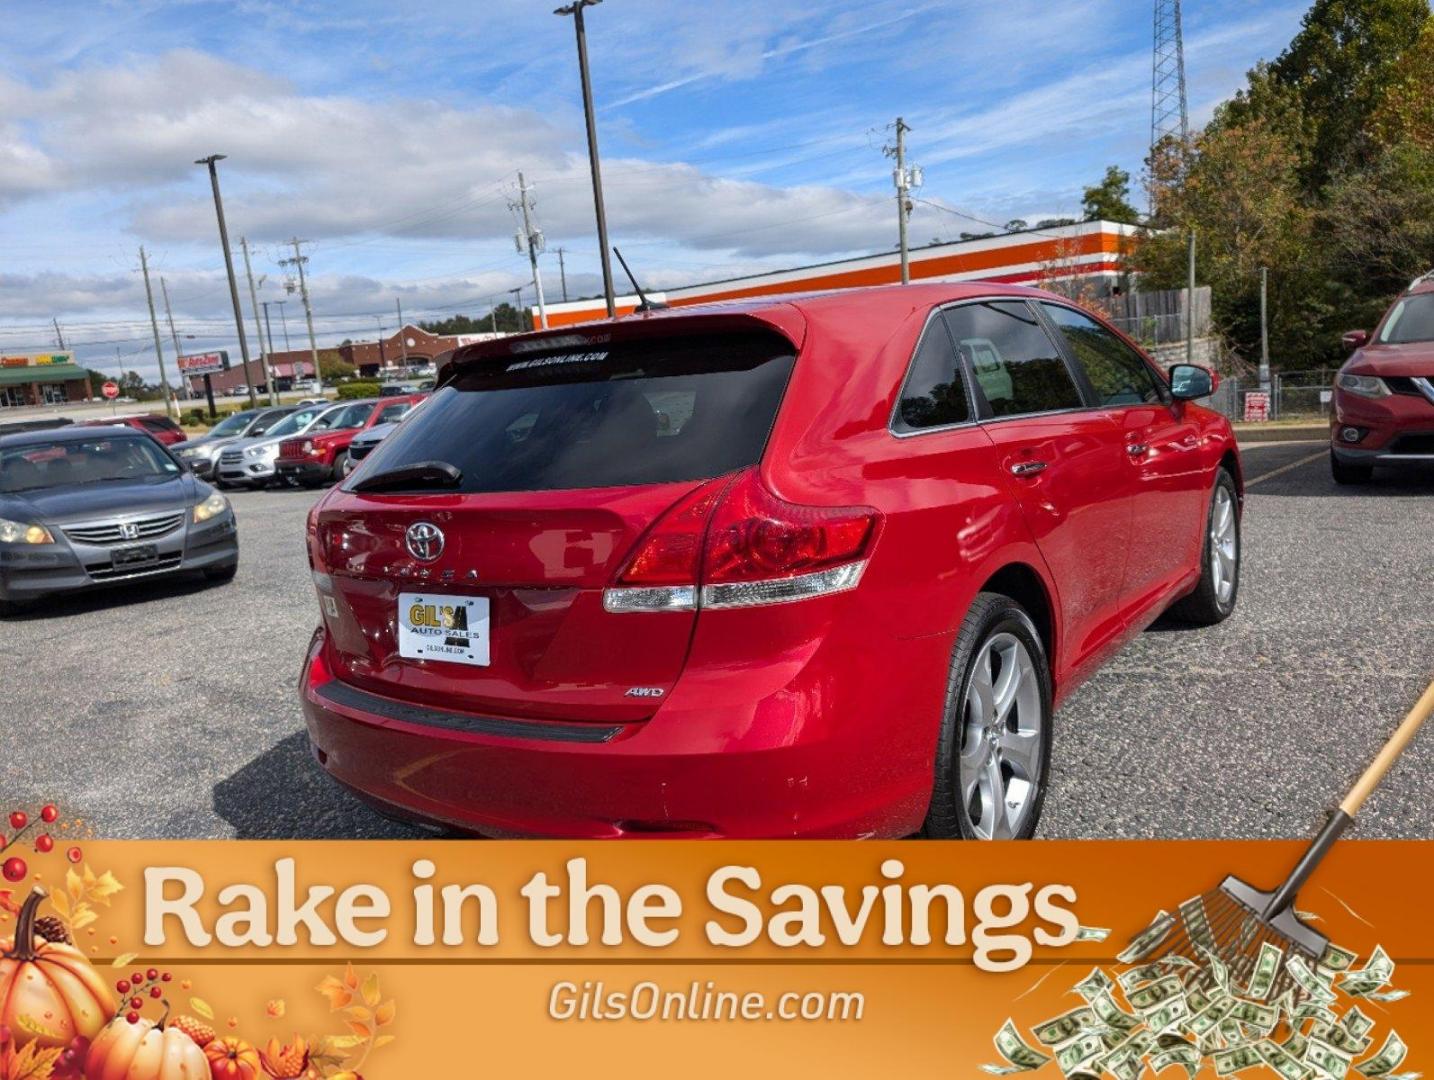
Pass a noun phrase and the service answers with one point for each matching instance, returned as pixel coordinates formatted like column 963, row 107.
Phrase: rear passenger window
column 1116, row 372
column 1017, row 367
column 935, row 392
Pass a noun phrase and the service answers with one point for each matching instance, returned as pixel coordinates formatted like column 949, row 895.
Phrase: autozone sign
column 204, row 363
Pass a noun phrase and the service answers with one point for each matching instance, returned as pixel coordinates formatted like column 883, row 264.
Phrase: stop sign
column 110, row 389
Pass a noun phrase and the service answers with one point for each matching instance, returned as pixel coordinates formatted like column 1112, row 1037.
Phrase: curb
column 1270, row 433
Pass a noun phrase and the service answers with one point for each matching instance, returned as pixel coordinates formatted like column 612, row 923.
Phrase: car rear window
column 608, row 415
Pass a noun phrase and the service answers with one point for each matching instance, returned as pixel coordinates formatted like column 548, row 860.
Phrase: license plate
column 434, row 626
column 134, row 556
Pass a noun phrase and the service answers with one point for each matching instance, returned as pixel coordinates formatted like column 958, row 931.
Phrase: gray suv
column 202, row 452
column 249, row 462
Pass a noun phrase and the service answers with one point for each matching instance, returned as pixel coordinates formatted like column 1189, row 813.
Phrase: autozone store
column 1088, row 250
column 41, row 379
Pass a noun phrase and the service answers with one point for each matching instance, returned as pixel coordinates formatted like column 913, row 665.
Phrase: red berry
column 4, row 841
column 155, row 991
column 18, row 819
column 152, row 974
column 44, row 843
column 74, row 854
column 49, row 812
column 14, row 869
column 122, row 986
column 136, row 1003
column 132, row 1017
column 166, row 977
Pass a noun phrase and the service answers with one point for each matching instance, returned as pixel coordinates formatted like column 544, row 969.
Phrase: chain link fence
column 1302, row 395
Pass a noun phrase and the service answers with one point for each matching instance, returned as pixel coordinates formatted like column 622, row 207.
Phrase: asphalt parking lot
column 170, row 711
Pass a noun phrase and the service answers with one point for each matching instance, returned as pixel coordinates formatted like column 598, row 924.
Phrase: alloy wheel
column 1000, row 761
column 1224, row 545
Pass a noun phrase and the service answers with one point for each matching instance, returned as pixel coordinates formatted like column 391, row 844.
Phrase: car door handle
column 1028, row 468
column 1136, row 449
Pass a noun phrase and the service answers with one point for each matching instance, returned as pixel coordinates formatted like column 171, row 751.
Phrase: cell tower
column 1169, row 113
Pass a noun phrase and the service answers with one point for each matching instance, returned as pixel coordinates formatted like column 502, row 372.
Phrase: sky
column 736, row 136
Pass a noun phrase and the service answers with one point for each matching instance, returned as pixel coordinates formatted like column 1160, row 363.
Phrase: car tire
column 1214, row 597
column 1344, row 473
column 993, row 757
column 219, row 574
column 222, row 485
column 336, row 475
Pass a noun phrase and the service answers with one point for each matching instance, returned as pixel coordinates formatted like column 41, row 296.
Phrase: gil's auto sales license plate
column 432, row 626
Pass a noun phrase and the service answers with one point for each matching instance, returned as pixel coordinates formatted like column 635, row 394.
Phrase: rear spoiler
column 783, row 319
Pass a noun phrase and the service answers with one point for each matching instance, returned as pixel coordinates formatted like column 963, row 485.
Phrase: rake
column 1232, row 922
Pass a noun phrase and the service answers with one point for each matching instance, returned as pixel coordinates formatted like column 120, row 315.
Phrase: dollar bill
column 1208, row 1019
column 1296, row 1044
column 1375, row 974
column 1336, row 959
column 1151, row 996
column 1235, row 1059
column 1071, row 1057
column 1168, row 1015
column 1094, row 984
column 1149, row 939
column 1020, row 1056
column 1387, row 995
column 1185, row 1055
column 1340, row 1037
column 1112, row 1015
column 1328, row 1059
column 1355, row 1022
column 1092, row 933
column 1217, row 969
column 1197, row 923
column 1308, row 981
column 1262, row 1017
column 1281, row 1060
column 1391, row 1055
column 1063, row 1028
column 1267, row 966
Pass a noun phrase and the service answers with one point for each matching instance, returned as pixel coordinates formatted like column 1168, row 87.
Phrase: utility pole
column 298, row 262
column 211, row 161
column 1190, row 304
column 1264, row 329
column 531, row 241
column 575, row 9
column 269, row 332
column 518, row 306
column 563, row 273
column 178, row 352
column 154, row 325
column 59, row 337
column 265, row 361
column 904, row 179
column 402, row 337
column 284, row 323
column 382, row 357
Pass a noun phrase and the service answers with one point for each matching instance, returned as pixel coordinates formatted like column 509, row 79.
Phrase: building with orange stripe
column 1089, row 250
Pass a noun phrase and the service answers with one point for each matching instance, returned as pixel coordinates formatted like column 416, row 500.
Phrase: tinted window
column 91, row 461
column 1017, row 367
column 392, row 413
column 232, row 425
column 935, row 391
column 350, row 417
column 293, row 423
column 1412, row 319
column 610, row 415
column 1115, row 370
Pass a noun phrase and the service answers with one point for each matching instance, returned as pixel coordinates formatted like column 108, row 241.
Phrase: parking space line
column 1285, row 468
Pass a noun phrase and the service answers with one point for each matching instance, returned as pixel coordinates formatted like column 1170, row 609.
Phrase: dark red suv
column 1384, row 395
column 813, row 566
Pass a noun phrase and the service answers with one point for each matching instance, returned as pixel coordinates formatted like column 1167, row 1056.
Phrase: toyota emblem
column 424, row 540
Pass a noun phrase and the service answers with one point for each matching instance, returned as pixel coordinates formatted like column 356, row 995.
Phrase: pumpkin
column 233, row 1059
column 49, row 993
column 144, row 1050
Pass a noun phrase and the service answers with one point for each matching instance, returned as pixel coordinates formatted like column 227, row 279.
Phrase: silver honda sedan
column 84, row 507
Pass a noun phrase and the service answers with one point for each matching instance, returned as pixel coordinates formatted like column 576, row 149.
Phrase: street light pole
column 211, row 161
column 575, row 9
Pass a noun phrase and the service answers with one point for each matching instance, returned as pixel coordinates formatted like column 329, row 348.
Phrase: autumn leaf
column 276, row 1008
column 61, row 903
column 337, row 993
column 102, row 888
column 363, row 1031
column 74, row 885
column 351, row 979
column 32, row 1062
column 202, row 1007
column 383, row 1040
column 84, row 915
column 123, row 960
column 371, row 995
column 359, row 1013
column 384, row 1014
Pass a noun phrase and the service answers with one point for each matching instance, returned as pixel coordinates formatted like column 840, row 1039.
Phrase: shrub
column 350, row 391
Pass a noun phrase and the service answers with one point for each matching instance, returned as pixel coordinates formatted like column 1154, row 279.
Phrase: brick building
column 42, row 379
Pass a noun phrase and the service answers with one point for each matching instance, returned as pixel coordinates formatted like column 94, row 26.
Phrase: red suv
column 1384, row 395
column 161, row 428
column 811, row 566
column 318, row 457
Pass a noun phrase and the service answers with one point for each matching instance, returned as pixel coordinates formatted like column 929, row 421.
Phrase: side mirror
column 1355, row 339
column 1189, row 382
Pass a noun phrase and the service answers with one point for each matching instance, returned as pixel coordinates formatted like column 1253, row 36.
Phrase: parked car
column 14, row 427
column 201, row 453
column 249, row 462
column 363, row 444
column 1383, row 414
column 315, row 458
column 239, row 391
column 82, row 507
column 313, row 401
column 398, row 389
column 161, row 428
column 791, row 567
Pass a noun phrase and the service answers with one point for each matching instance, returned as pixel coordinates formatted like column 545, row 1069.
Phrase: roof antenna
column 646, row 304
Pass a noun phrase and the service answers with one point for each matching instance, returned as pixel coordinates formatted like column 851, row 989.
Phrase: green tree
column 1109, row 200
column 333, row 367
column 509, row 321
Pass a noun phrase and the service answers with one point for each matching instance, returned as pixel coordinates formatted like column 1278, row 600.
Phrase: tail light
column 731, row 543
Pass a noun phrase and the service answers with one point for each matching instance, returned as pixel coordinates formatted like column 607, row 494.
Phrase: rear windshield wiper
column 422, row 474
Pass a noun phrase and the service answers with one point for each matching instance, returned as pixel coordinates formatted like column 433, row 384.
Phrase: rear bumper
column 710, row 770
column 27, row 573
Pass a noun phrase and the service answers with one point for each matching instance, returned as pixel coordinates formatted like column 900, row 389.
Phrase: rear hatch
column 486, row 595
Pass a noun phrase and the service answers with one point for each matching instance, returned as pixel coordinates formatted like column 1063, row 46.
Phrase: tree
column 1109, row 200
column 509, row 321
column 333, row 367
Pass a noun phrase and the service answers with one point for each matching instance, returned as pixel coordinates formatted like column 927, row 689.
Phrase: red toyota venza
column 1384, row 395
column 809, row 566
